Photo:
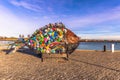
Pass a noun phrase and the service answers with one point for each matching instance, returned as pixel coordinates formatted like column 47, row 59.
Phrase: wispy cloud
column 93, row 19
column 104, row 34
column 26, row 5
column 10, row 24
column 102, row 37
column 13, row 25
column 96, row 25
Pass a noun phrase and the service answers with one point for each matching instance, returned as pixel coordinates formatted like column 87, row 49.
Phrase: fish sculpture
column 53, row 39
column 49, row 39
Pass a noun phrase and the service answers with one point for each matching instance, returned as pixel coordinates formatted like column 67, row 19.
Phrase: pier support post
column 104, row 48
column 112, row 48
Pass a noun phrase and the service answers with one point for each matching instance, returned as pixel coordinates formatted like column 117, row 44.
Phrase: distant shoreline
column 10, row 39
column 81, row 40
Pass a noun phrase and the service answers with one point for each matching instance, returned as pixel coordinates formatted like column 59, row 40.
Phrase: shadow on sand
column 97, row 65
column 29, row 52
column 22, row 51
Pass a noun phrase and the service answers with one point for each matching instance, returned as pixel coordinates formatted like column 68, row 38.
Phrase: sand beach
column 60, row 40
column 82, row 65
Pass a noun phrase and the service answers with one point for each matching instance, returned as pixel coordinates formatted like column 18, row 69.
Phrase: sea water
column 98, row 45
column 86, row 45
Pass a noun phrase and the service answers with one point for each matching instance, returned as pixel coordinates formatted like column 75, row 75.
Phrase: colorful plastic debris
column 53, row 38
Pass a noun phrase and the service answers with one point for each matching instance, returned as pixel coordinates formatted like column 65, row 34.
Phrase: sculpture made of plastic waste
column 53, row 39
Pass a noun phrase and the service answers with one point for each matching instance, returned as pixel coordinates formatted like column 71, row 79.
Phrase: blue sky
column 96, row 19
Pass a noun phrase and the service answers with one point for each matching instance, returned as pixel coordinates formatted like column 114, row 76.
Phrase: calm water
column 98, row 45
column 86, row 45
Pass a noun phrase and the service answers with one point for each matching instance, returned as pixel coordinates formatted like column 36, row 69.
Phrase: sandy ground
column 82, row 65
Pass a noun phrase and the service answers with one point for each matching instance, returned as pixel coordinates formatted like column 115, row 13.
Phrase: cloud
column 87, row 24
column 93, row 19
column 26, row 5
column 74, row 22
column 100, row 36
column 12, row 25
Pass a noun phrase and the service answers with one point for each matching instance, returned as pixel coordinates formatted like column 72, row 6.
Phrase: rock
column 53, row 38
